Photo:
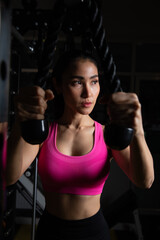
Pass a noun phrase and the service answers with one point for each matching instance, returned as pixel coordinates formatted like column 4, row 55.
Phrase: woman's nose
column 86, row 91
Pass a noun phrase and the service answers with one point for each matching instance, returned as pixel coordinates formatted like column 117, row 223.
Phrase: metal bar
column 28, row 48
column 28, row 195
column 5, row 40
column 27, row 185
column 138, row 224
column 34, row 199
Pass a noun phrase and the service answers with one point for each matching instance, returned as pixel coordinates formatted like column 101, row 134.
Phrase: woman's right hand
column 31, row 103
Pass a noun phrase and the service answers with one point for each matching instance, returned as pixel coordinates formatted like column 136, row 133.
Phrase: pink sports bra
column 81, row 175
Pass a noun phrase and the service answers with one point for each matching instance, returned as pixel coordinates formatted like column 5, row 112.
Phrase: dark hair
column 69, row 57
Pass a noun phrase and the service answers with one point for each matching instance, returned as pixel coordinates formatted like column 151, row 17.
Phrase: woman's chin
column 86, row 111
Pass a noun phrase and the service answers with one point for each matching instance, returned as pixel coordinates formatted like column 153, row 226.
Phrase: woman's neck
column 76, row 120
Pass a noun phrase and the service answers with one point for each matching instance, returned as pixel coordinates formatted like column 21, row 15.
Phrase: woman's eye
column 95, row 82
column 76, row 82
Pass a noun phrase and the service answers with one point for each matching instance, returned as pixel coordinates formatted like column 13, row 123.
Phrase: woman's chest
column 75, row 143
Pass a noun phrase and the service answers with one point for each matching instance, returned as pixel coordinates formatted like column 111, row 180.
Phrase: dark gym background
column 133, row 34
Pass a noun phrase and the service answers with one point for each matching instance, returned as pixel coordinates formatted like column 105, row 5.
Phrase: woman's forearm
column 141, row 169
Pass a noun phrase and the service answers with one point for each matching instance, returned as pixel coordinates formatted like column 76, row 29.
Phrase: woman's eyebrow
column 94, row 76
column 80, row 77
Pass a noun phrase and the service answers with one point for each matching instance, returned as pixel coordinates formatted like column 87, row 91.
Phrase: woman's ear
column 56, row 86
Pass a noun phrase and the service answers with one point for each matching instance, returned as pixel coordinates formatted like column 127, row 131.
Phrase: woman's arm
column 136, row 160
column 20, row 155
column 31, row 103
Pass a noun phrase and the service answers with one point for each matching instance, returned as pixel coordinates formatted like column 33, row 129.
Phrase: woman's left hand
column 124, row 109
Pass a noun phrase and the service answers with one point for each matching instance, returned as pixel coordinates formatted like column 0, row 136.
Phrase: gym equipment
column 5, row 38
column 116, row 137
column 36, row 131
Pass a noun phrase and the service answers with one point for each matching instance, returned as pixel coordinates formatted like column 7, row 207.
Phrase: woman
column 74, row 160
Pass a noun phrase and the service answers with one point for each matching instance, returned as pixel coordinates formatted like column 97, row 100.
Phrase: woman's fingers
column 124, row 109
column 49, row 95
column 25, row 115
column 31, row 103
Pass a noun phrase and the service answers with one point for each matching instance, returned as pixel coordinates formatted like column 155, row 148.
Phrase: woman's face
column 80, row 86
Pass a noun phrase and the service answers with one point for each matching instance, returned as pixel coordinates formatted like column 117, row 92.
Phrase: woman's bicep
column 20, row 156
column 29, row 154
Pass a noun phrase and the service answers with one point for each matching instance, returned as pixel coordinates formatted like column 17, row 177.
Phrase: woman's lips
column 86, row 104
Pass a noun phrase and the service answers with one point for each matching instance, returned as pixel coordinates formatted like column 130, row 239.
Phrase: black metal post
column 34, row 199
column 5, row 39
